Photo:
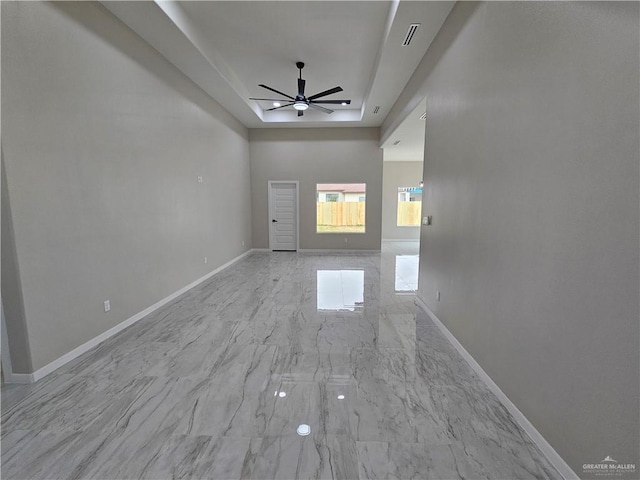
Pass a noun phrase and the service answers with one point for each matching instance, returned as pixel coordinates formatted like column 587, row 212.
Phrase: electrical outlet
column 199, row 178
column 438, row 295
column 206, row 259
column 346, row 240
column 243, row 243
column 425, row 221
column 107, row 305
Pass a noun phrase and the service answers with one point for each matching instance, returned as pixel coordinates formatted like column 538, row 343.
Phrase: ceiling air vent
column 423, row 116
column 376, row 109
column 410, row 33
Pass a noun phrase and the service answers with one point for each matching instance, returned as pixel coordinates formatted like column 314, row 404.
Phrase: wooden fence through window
column 340, row 213
column 409, row 214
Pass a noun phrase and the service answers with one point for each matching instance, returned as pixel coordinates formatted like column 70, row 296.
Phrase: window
column 332, row 197
column 409, row 206
column 340, row 207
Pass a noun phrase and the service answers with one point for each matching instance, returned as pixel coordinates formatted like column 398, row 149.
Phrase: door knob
column 274, row 221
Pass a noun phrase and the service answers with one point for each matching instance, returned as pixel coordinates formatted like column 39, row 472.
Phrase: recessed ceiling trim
column 181, row 20
column 180, row 31
column 158, row 28
column 393, row 10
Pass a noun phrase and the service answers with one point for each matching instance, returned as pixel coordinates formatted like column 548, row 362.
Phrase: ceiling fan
column 300, row 102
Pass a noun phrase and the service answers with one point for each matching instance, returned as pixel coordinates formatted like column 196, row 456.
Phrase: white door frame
column 297, row 184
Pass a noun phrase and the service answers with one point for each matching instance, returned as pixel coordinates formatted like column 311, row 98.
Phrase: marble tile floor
column 215, row 384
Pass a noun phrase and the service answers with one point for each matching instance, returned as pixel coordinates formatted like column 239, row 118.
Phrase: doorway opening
column 403, row 196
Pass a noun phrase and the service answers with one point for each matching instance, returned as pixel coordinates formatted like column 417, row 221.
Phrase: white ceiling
column 324, row 36
column 229, row 47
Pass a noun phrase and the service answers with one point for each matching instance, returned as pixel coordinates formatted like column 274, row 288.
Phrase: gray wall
column 532, row 178
column 12, row 302
column 317, row 155
column 394, row 175
column 103, row 141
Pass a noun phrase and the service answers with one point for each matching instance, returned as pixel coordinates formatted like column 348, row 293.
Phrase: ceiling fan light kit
column 300, row 102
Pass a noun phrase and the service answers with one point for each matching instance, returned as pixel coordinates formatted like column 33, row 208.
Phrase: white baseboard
column 554, row 458
column 76, row 352
column 334, row 250
column 20, row 378
column 417, row 240
column 320, row 250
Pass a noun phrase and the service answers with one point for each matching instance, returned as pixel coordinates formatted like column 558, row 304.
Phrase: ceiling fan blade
column 269, row 99
column 276, row 108
column 325, row 93
column 333, row 102
column 301, row 84
column 276, row 91
column 318, row 107
column 300, row 113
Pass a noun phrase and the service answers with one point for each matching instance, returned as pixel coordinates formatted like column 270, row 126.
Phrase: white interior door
column 283, row 215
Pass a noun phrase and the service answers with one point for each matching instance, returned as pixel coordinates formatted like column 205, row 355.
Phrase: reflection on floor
column 407, row 273
column 340, row 290
column 217, row 383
